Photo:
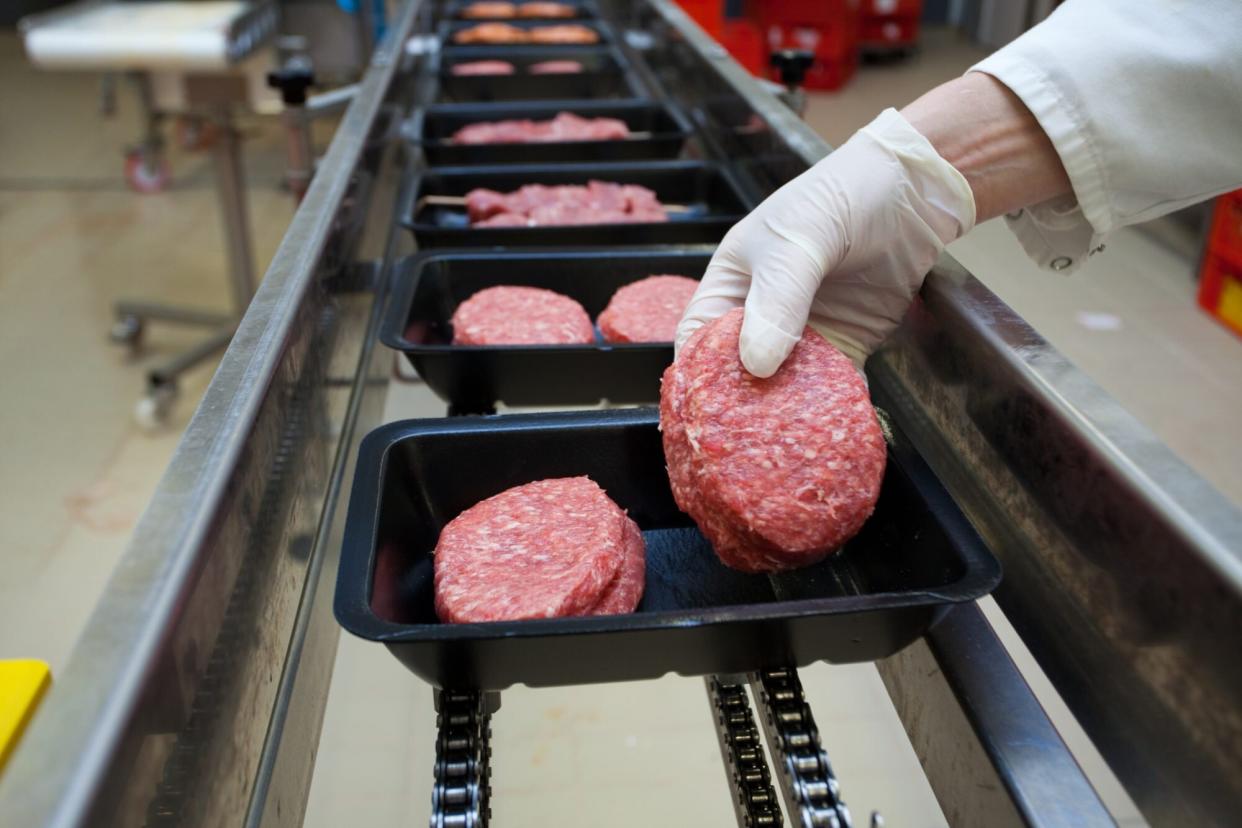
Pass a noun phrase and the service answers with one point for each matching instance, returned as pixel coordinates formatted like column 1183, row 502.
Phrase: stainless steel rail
column 190, row 662
column 196, row 693
column 1123, row 567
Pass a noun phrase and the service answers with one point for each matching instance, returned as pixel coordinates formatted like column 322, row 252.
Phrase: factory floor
column 77, row 471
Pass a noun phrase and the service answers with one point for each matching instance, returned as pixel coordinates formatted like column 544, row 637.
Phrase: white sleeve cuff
column 1061, row 233
column 1064, row 123
column 1055, row 234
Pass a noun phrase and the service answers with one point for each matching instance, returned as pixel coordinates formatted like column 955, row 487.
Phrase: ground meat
column 563, row 34
column 546, row 549
column 546, row 10
column 492, row 33
column 564, row 127
column 520, row 316
column 647, row 310
column 490, row 8
column 483, row 67
column 626, row 589
column 777, row 472
column 555, row 67
column 598, row 202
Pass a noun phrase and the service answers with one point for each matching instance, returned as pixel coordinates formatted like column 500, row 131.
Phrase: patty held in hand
column 779, row 472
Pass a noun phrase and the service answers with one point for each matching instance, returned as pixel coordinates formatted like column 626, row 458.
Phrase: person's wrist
column 980, row 127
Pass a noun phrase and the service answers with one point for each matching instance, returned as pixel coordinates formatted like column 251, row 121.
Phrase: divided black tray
column 709, row 190
column 582, row 10
column 450, row 28
column 434, row 127
column 916, row 555
column 605, row 74
column 473, row 378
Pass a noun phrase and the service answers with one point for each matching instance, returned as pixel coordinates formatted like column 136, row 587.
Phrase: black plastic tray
column 450, row 28
column 473, row 378
column 709, row 191
column 584, row 10
column 605, row 74
column 667, row 128
column 916, row 555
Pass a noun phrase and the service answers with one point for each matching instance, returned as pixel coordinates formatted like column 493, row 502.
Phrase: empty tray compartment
column 708, row 191
column 474, row 378
column 886, row 587
column 605, row 74
column 657, row 129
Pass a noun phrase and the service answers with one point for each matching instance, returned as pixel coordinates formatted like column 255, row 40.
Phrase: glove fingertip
column 684, row 332
column 762, row 346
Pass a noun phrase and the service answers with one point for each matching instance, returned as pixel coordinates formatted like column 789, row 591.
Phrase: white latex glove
column 844, row 246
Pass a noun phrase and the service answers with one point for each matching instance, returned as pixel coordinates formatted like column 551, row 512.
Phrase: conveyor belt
column 1059, row 481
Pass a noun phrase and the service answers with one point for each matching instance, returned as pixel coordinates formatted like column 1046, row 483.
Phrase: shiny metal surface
column 1123, row 569
column 997, row 761
column 164, row 711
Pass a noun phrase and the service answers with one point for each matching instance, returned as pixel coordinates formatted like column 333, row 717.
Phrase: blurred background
column 110, row 193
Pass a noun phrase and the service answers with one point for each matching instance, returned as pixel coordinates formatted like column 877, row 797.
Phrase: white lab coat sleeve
column 1143, row 103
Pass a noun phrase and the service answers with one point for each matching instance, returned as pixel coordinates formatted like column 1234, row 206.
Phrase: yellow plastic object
column 1230, row 307
column 22, row 685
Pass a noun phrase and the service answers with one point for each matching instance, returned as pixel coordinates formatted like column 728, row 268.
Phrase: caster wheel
column 151, row 412
column 144, row 175
column 127, row 330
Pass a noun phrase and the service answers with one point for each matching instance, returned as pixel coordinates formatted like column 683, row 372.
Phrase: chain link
column 460, row 796
column 754, row 800
column 812, row 795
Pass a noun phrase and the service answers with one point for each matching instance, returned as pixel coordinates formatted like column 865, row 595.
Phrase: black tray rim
column 448, row 28
column 449, row 54
column 351, row 604
column 590, row 168
column 408, row 273
column 418, row 121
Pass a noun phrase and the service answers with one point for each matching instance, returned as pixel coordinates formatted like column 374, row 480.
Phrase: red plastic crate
column 892, row 8
column 829, row 42
column 1220, row 291
column 875, row 30
column 803, row 12
column 709, row 14
column 1225, row 236
column 744, row 40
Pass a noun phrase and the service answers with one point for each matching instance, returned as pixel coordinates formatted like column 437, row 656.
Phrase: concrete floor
column 77, row 471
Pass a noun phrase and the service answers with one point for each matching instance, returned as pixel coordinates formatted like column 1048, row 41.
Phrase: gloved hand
column 844, row 246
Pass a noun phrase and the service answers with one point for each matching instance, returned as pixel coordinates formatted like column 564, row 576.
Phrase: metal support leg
column 741, row 749
column 146, row 169
column 131, row 316
column 989, row 751
column 231, row 189
column 301, row 159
